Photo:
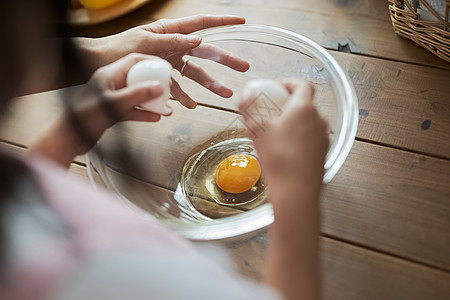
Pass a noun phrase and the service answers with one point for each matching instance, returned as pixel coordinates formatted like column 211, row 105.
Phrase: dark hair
column 14, row 173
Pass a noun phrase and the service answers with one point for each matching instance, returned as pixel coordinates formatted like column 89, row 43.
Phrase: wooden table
column 386, row 214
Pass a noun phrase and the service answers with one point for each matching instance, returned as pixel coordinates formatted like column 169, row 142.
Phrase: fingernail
column 168, row 111
column 246, row 94
column 193, row 39
column 192, row 105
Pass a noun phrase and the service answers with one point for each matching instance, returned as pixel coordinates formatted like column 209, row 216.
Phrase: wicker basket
column 433, row 35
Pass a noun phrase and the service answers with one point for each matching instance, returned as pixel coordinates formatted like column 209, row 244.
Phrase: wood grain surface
column 348, row 271
column 362, row 27
column 383, row 198
column 385, row 215
column 401, row 105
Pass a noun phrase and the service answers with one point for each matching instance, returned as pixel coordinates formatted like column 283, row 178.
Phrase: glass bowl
column 150, row 180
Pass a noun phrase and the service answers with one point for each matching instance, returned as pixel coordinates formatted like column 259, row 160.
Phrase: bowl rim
column 262, row 216
column 348, row 98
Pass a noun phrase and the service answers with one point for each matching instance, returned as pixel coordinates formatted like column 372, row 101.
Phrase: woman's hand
column 292, row 150
column 102, row 101
column 169, row 39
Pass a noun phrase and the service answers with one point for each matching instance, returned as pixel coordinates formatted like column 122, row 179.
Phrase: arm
column 168, row 39
column 292, row 153
column 293, row 254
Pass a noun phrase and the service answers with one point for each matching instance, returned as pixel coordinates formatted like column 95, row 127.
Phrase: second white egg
column 153, row 69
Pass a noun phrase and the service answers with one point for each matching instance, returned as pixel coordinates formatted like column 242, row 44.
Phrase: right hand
column 292, row 148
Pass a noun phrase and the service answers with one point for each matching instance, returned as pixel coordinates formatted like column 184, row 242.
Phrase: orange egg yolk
column 238, row 173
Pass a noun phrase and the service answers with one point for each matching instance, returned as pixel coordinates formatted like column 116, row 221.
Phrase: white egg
column 270, row 89
column 153, row 69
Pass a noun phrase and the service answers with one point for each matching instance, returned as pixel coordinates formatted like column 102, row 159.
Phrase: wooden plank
column 31, row 115
column 12, row 149
column 404, row 197
column 74, row 170
column 391, row 200
column 162, row 202
column 354, row 273
column 386, row 199
column 348, row 272
column 140, row 192
column 401, row 105
column 358, row 26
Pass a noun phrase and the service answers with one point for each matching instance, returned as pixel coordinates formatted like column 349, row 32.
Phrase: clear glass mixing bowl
column 160, row 150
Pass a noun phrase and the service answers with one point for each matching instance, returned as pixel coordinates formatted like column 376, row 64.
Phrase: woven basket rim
column 431, row 35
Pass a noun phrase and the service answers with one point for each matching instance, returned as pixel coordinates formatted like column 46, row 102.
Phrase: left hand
column 171, row 40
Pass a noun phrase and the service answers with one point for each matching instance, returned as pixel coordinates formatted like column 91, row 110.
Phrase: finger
column 305, row 91
column 245, row 100
column 181, row 96
column 193, row 23
column 131, row 96
column 254, row 115
column 196, row 73
column 177, row 42
column 291, row 84
column 254, row 128
column 207, row 51
column 301, row 87
column 250, row 120
column 142, row 116
column 302, row 94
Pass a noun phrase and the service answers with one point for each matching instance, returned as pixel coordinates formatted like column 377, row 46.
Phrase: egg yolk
column 238, row 173
column 97, row 3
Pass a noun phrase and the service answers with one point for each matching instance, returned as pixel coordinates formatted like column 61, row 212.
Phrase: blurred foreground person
column 61, row 240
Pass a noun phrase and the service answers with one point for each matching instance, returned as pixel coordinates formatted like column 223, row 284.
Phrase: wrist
column 295, row 206
column 303, row 186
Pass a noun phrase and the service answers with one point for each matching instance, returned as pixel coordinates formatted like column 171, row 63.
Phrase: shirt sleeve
column 168, row 274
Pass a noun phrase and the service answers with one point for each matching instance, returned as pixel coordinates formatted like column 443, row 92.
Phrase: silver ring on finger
column 184, row 66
